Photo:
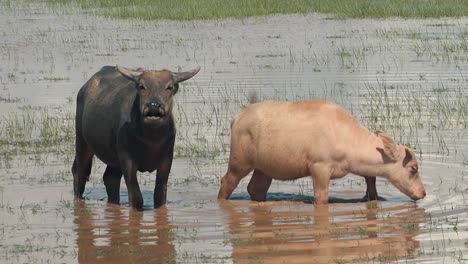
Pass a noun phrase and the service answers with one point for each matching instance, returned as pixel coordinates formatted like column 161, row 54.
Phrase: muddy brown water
column 407, row 77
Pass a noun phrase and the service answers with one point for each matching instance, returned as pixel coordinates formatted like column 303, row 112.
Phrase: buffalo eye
column 141, row 87
column 170, row 87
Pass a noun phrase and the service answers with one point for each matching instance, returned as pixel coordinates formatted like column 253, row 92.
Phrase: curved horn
column 183, row 76
column 133, row 75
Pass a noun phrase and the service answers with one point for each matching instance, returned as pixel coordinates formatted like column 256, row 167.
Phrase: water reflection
column 335, row 233
column 121, row 235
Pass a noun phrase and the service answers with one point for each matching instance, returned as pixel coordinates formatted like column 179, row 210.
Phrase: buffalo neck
column 159, row 131
column 368, row 159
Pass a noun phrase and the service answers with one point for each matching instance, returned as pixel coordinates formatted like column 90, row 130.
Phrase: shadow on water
column 121, row 235
column 98, row 193
column 299, row 233
column 281, row 196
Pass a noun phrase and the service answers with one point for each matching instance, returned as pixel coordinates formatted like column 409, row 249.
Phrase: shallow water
column 407, row 77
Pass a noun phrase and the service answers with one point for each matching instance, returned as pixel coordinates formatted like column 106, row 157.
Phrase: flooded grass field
column 406, row 77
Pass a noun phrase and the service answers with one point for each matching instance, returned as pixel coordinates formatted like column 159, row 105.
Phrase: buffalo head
column 156, row 90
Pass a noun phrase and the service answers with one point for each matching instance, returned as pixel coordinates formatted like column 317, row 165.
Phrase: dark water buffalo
column 124, row 117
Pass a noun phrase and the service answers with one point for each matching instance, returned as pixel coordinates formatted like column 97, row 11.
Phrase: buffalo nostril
column 154, row 104
column 424, row 193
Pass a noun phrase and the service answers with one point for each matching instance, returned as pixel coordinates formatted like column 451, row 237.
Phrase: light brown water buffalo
column 291, row 140
column 124, row 117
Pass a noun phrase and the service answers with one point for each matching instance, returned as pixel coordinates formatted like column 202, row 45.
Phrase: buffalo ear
column 408, row 157
column 132, row 75
column 183, row 76
column 390, row 147
column 176, row 88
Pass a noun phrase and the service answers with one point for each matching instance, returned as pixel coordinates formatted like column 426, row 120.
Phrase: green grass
column 404, row 111
column 36, row 132
column 219, row 9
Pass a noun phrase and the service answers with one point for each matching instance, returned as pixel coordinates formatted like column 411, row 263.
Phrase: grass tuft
column 36, row 132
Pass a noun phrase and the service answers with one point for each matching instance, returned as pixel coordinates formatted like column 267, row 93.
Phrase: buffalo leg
column 112, row 177
column 83, row 154
column 231, row 179
column 129, row 169
column 81, row 166
column 320, row 191
column 239, row 165
column 371, row 191
column 320, row 178
column 162, row 175
column 258, row 186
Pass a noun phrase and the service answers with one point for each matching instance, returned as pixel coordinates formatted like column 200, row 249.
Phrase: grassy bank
column 219, row 9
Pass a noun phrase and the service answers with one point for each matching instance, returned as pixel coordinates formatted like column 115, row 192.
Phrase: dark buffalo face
column 156, row 90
